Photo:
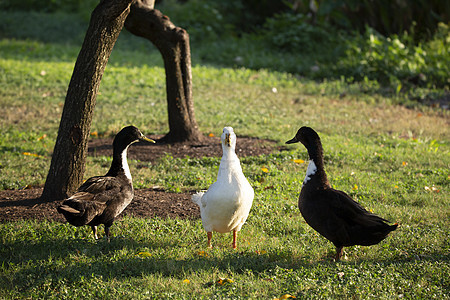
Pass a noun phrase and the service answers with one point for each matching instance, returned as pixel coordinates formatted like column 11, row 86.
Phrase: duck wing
column 99, row 184
column 91, row 200
column 350, row 210
column 81, row 208
column 202, row 198
column 352, row 223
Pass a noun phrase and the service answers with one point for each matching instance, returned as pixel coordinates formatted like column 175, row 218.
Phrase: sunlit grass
column 393, row 159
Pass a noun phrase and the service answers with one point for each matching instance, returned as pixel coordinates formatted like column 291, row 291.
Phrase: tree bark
column 69, row 155
column 173, row 43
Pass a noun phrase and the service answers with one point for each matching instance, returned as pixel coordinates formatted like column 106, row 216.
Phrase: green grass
column 386, row 151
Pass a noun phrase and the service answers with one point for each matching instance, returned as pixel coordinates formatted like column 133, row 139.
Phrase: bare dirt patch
column 246, row 146
column 147, row 203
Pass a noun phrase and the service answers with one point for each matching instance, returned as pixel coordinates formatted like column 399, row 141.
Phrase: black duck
column 330, row 212
column 100, row 199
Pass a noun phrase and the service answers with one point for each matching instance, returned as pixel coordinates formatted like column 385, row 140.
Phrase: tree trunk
column 173, row 43
column 69, row 155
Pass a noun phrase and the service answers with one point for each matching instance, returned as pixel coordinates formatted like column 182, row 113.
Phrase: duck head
column 307, row 136
column 310, row 139
column 228, row 138
column 127, row 136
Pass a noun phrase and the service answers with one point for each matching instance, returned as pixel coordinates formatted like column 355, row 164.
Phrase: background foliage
column 400, row 43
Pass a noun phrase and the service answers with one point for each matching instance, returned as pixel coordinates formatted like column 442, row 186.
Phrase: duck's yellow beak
column 227, row 140
column 144, row 138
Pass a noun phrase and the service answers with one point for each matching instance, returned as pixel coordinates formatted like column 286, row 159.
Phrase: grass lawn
column 393, row 157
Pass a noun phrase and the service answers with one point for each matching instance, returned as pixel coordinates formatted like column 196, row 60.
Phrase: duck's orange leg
column 234, row 239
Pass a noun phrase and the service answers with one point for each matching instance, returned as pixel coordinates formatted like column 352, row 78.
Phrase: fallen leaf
column 223, row 281
column 265, row 170
column 287, row 296
column 404, row 163
column 42, row 137
column 94, row 133
column 31, row 154
column 355, row 187
column 211, row 135
column 202, row 253
column 187, row 281
column 144, row 254
column 298, row 161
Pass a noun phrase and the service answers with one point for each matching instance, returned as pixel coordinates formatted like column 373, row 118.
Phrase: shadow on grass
column 410, row 258
column 73, row 260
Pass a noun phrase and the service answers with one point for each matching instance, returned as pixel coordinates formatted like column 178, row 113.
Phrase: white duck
column 226, row 204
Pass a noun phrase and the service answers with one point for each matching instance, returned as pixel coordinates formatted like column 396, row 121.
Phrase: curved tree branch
column 173, row 43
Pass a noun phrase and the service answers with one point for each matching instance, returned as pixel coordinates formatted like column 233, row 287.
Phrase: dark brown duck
column 100, row 199
column 330, row 212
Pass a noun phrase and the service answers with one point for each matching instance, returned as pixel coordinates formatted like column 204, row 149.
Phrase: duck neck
column 228, row 154
column 119, row 165
column 316, row 172
column 229, row 162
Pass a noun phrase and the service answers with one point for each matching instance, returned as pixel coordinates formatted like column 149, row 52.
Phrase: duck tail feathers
column 80, row 212
column 393, row 227
column 67, row 209
column 197, row 198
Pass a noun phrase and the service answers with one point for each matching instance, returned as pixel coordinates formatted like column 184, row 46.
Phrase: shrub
column 81, row 6
column 293, row 33
column 202, row 19
column 397, row 58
